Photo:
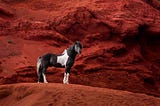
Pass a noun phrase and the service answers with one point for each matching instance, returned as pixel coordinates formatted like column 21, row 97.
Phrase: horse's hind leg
column 40, row 77
column 39, row 70
column 44, row 75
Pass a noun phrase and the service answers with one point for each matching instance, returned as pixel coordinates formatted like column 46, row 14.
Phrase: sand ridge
column 54, row 94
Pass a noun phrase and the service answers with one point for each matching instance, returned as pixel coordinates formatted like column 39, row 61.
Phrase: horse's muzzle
column 79, row 52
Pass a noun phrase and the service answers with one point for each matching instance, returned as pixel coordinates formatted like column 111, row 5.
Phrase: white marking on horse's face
column 63, row 58
column 77, row 49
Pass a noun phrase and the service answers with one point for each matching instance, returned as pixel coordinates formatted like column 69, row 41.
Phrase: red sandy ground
column 32, row 94
column 120, row 39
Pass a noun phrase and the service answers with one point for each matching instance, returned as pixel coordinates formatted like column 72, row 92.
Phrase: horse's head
column 78, row 47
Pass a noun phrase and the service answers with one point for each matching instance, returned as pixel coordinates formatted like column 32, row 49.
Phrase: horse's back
column 47, row 56
column 49, row 59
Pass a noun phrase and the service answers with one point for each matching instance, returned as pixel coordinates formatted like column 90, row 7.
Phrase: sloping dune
column 52, row 94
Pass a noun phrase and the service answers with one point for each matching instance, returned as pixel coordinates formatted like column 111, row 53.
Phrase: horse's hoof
column 45, row 82
column 65, row 82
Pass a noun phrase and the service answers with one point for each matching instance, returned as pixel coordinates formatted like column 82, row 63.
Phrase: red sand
column 120, row 39
column 32, row 94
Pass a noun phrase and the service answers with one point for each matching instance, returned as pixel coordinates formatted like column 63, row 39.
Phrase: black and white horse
column 64, row 60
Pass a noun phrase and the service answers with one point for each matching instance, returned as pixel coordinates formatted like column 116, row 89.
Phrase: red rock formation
column 120, row 37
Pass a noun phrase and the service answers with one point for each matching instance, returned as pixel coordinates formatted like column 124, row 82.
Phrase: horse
column 64, row 60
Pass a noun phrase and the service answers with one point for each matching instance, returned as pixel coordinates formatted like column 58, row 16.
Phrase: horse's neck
column 71, row 52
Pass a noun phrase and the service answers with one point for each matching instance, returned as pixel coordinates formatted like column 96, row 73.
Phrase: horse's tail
column 39, row 70
column 38, row 64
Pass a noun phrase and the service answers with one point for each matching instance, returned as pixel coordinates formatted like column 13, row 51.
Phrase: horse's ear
column 76, row 42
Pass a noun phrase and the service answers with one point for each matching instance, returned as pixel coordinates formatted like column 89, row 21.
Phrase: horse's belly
column 58, row 65
column 62, row 59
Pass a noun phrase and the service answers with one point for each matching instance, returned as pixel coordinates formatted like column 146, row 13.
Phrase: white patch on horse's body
column 63, row 58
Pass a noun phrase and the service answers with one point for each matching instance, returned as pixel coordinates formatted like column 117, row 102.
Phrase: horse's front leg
column 66, row 75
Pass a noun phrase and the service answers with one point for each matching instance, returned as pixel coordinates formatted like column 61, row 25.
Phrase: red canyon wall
column 121, row 41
